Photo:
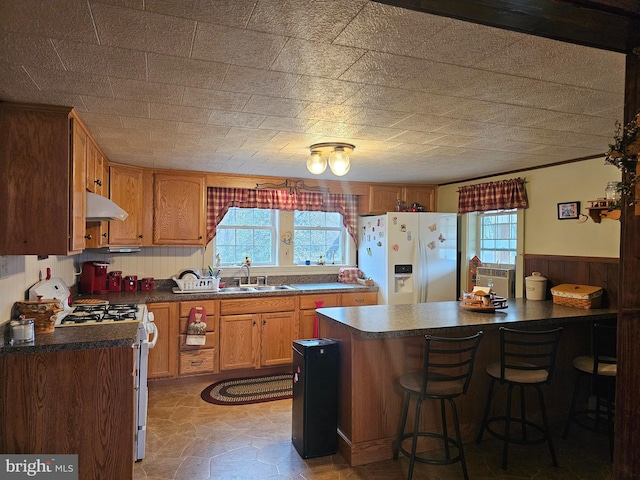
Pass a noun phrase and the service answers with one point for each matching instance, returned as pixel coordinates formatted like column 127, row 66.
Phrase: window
column 318, row 234
column 247, row 232
column 497, row 234
column 282, row 238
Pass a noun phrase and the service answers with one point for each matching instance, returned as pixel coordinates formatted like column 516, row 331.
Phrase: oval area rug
column 241, row 391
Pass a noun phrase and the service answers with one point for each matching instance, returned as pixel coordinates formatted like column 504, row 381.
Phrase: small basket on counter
column 580, row 296
column 44, row 313
column 197, row 284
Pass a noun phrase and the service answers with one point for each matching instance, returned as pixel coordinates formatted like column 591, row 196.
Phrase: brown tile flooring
column 195, row 440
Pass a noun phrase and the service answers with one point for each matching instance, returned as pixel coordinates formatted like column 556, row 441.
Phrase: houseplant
column 623, row 154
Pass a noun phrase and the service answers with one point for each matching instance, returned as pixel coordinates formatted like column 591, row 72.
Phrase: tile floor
column 195, row 440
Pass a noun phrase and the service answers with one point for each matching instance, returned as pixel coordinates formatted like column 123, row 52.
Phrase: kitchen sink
column 255, row 288
column 270, row 288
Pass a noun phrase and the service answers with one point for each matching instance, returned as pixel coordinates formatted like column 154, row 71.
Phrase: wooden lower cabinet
column 238, row 341
column 199, row 359
column 358, row 299
column 307, row 316
column 276, row 336
column 163, row 358
column 71, row 402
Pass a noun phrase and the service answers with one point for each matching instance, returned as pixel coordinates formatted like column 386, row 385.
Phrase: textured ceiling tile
column 424, row 123
column 281, row 107
column 383, row 69
column 139, row 30
column 234, row 13
column 333, row 129
column 119, row 62
column 315, row 58
column 318, row 20
column 261, row 134
column 69, row 82
column 376, row 117
column 327, row 90
column 179, row 113
column 207, row 130
column 259, row 82
column 453, row 141
column 235, row 119
column 411, row 136
column 198, row 97
column 185, row 71
column 236, row 46
column 464, row 43
column 101, row 120
column 137, row 123
column 377, row 133
column 29, row 50
column 285, row 124
column 328, row 112
column 147, row 91
column 578, row 123
column 116, row 106
column 69, row 19
column 391, row 29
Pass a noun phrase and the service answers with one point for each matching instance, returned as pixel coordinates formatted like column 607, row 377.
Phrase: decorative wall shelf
column 598, row 209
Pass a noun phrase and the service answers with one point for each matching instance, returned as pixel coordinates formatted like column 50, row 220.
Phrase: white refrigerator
column 411, row 257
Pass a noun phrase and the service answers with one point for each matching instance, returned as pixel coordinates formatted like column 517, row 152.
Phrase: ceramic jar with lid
column 536, row 286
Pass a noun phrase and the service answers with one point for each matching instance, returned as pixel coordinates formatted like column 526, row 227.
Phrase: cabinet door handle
column 200, row 237
column 264, row 322
column 88, row 237
column 140, row 236
column 104, row 234
column 98, row 182
column 254, row 323
column 196, row 364
column 359, row 300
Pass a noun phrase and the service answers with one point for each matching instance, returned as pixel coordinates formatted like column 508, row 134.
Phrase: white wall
column 543, row 233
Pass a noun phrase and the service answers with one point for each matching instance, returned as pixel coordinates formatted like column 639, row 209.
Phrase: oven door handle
column 153, row 330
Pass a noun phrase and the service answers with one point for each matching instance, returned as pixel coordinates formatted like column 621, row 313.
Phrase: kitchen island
column 378, row 343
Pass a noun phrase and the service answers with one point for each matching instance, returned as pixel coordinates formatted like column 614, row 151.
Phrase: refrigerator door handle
column 422, row 271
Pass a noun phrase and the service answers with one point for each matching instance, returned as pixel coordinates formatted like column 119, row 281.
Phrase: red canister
column 146, row 284
column 130, row 283
column 114, row 281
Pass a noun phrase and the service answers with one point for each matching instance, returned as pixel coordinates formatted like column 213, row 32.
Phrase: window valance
column 501, row 195
column 219, row 200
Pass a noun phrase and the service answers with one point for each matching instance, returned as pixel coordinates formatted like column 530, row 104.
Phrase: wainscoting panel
column 597, row 271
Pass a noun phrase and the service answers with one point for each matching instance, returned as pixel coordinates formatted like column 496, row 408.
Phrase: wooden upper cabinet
column 126, row 190
column 42, row 194
column 179, row 209
column 95, row 170
column 425, row 195
column 384, row 198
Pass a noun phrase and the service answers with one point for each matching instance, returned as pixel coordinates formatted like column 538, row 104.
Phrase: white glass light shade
column 316, row 163
column 339, row 162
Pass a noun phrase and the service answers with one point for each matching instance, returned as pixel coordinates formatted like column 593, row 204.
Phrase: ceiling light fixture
column 338, row 152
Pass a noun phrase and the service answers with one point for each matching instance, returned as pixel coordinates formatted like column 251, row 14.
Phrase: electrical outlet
column 4, row 266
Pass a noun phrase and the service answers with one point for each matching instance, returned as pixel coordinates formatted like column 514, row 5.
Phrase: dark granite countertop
column 387, row 321
column 167, row 295
column 76, row 338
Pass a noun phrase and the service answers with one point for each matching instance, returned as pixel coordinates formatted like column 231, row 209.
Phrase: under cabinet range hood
column 100, row 209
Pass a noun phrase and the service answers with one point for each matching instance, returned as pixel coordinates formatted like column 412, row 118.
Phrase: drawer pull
column 359, row 300
column 197, row 364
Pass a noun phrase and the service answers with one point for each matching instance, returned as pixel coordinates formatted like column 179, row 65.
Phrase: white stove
column 105, row 313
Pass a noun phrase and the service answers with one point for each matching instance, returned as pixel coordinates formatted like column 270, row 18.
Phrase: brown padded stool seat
column 527, row 361
column 445, row 375
column 600, row 369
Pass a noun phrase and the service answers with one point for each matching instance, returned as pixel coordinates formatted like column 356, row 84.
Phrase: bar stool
column 601, row 369
column 527, row 359
column 447, row 369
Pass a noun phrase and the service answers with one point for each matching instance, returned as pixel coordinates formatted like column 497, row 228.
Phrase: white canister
column 536, row 286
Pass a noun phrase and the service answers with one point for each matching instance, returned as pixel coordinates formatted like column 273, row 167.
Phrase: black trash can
column 315, row 397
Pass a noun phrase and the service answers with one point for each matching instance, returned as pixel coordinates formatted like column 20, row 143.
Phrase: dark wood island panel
column 378, row 343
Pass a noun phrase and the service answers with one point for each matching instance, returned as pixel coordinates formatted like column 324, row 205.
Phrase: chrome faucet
column 248, row 273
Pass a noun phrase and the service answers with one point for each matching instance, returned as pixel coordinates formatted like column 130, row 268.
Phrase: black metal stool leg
column 507, row 427
column 444, row 430
column 572, row 409
column 403, row 422
column 546, row 426
column 456, row 424
column 487, row 409
column 523, row 414
column 414, row 446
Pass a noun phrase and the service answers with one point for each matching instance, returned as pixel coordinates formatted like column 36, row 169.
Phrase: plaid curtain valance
column 219, row 200
column 501, row 195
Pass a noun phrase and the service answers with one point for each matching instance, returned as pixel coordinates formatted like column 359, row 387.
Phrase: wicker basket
column 44, row 313
column 580, row 296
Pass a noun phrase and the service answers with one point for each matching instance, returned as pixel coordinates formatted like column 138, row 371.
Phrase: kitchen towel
column 197, row 328
column 349, row 275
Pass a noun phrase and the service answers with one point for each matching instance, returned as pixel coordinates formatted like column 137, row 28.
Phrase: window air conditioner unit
column 503, row 280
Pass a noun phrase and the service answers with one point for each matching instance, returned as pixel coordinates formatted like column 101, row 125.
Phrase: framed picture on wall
column 569, row 211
